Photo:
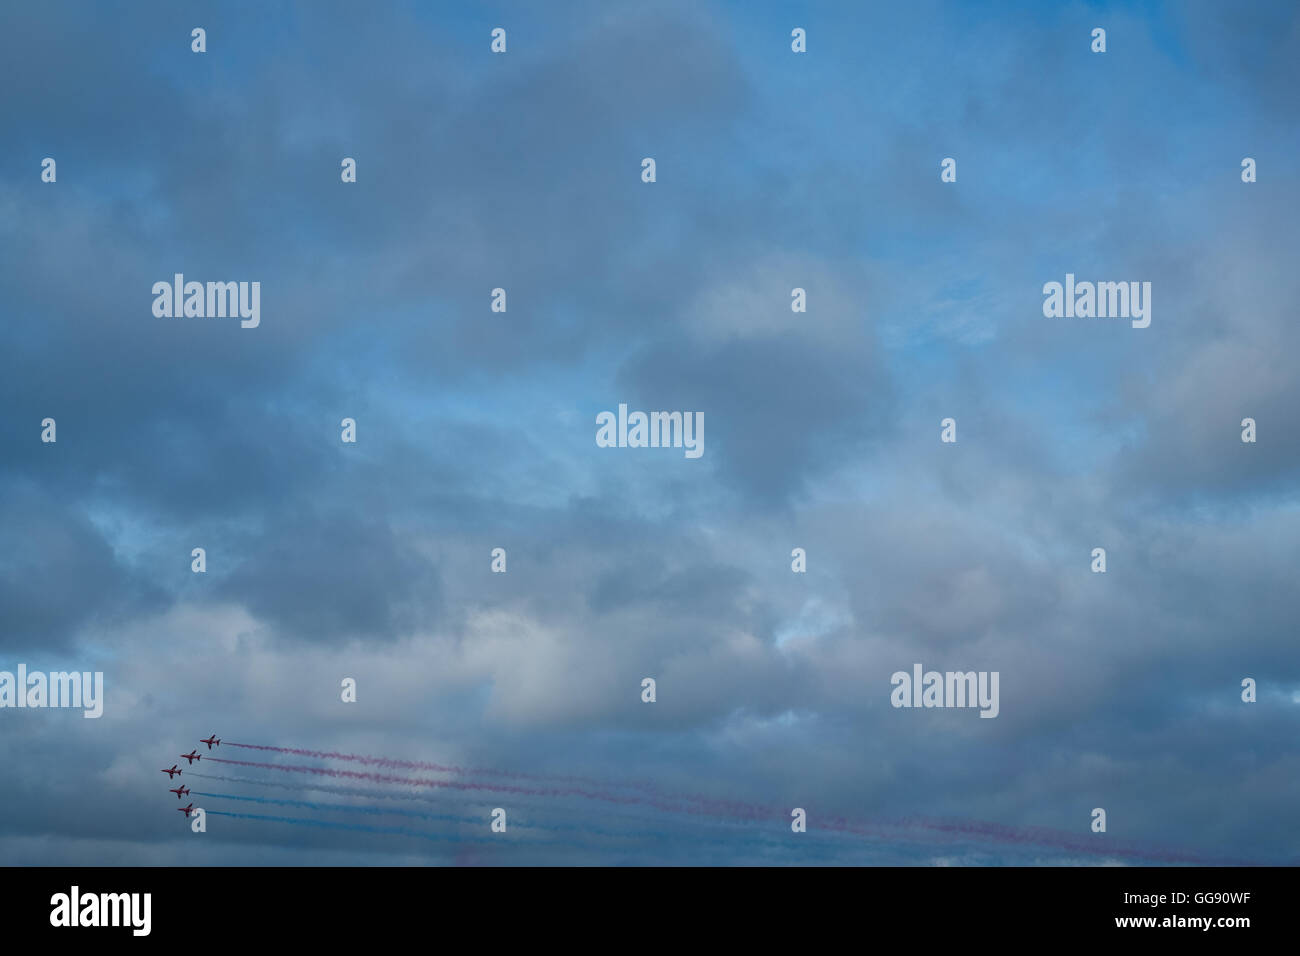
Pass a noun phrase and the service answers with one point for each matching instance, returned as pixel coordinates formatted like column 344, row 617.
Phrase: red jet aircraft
column 186, row 810
column 210, row 741
column 172, row 772
column 193, row 755
column 180, row 791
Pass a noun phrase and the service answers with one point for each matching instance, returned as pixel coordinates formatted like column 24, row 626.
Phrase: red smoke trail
column 667, row 801
column 1061, row 839
column 738, row 839
column 373, row 777
column 623, row 799
column 884, row 833
column 379, row 794
column 730, row 807
column 982, row 831
column 393, row 763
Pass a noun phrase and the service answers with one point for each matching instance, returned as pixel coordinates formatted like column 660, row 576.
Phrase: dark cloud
column 476, row 429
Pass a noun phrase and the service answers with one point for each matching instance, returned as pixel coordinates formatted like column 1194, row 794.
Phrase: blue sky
column 476, row 429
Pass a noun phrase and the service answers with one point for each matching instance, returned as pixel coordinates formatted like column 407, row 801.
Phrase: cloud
column 476, row 429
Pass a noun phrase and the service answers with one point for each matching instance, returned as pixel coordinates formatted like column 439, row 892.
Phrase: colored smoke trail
column 986, row 832
column 618, row 799
column 423, row 798
column 497, row 839
column 394, row 763
column 444, row 817
column 1060, row 839
column 357, row 827
column 700, row 817
column 689, row 839
column 593, row 789
column 349, row 808
column 373, row 777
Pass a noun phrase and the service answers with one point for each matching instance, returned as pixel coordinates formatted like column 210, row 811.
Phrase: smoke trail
column 373, row 777
column 1061, row 839
column 989, row 832
column 834, row 824
column 691, row 839
column 497, row 840
column 359, row 827
column 884, row 833
column 729, row 807
column 593, row 789
column 697, row 819
column 422, row 798
column 395, row 831
column 444, row 817
column 618, row 799
column 351, row 808
column 669, row 803
column 664, row 801
column 393, row 763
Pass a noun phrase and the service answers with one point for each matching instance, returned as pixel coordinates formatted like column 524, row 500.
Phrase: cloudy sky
column 476, row 429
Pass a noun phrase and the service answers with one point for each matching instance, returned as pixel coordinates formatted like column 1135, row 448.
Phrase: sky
column 476, row 430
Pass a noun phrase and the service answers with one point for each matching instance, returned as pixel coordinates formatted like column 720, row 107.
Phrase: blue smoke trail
column 800, row 843
column 353, row 808
column 398, row 831
column 360, row 827
column 742, row 829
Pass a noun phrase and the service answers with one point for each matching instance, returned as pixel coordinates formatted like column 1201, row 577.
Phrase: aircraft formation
column 175, row 771
column 700, row 819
